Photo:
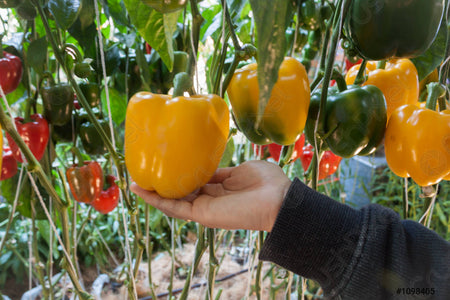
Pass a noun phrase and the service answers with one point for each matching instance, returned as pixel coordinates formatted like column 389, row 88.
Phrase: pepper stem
column 79, row 156
column 182, row 82
column 435, row 91
column 360, row 78
column 340, row 81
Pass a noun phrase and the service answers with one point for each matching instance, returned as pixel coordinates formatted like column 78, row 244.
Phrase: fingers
column 220, row 175
column 179, row 209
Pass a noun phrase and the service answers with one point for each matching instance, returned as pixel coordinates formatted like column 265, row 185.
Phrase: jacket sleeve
column 368, row 253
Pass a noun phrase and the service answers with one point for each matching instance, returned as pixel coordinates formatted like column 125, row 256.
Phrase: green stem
column 340, row 81
column 360, row 78
column 229, row 21
column 212, row 263
column 181, row 83
column 197, row 21
column 149, row 251
column 200, row 248
column 37, row 261
column 435, row 91
column 258, row 280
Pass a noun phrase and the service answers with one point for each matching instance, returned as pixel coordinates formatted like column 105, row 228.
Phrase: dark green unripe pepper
column 91, row 140
column 91, row 92
column 355, row 120
column 382, row 29
column 309, row 15
column 26, row 10
column 58, row 103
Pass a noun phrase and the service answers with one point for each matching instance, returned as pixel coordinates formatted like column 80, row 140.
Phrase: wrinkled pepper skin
column 417, row 144
column 285, row 114
column 85, row 182
column 398, row 81
column 35, row 134
column 58, row 103
column 382, row 29
column 91, row 140
column 355, row 117
column 10, row 72
column 174, row 146
column 109, row 198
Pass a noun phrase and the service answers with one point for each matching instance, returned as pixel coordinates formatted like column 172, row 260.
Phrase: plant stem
column 258, row 280
column 360, row 78
column 197, row 21
column 212, row 263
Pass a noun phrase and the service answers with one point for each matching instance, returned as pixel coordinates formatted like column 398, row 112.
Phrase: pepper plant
column 98, row 93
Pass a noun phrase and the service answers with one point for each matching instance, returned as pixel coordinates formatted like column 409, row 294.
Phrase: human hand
column 248, row 196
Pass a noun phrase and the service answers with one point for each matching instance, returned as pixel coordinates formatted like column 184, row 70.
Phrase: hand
column 245, row 197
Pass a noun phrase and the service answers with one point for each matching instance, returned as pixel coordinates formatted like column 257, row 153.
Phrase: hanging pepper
column 85, row 182
column 328, row 165
column 8, row 164
column 58, row 103
column 91, row 92
column 355, row 119
column 35, row 134
column 417, row 144
column 311, row 49
column 285, row 114
column 90, row 138
column 10, row 72
column 398, row 81
column 381, row 29
column 174, row 145
column 275, row 150
column 109, row 198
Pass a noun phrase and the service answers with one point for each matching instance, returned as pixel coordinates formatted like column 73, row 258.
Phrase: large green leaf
column 65, row 12
column 271, row 19
column 433, row 57
column 156, row 28
column 118, row 105
column 37, row 54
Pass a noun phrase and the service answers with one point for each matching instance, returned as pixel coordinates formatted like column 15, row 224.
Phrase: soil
column 233, row 287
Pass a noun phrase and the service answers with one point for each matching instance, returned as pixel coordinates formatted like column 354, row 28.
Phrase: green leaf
column 228, row 154
column 118, row 105
column 156, row 28
column 37, row 54
column 64, row 11
column 432, row 58
column 116, row 9
column 271, row 19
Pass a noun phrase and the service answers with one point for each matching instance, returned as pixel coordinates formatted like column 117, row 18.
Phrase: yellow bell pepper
column 398, row 81
column 174, row 145
column 285, row 114
column 417, row 144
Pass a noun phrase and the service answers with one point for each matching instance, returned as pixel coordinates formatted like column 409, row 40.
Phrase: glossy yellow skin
column 174, row 146
column 398, row 81
column 285, row 115
column 417, row 144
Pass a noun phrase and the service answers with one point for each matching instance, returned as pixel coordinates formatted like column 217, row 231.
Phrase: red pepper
column 35, row 134
column 148, row 48
column 329, row 162
column 9, row 165
column 85, row 182
column 10, row 72
column 109, row 198
column 275, row 149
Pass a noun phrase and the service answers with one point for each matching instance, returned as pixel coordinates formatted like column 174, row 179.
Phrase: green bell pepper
column 355, row 119
column 91, row 92
column 91, row 140
column 58, row 103
column 311, row 49
column 381, row 29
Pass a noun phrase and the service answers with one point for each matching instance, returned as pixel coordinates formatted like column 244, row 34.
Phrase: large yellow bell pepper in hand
column 417, row 144
column 398, row 81
column 285, row 115
column 174, row 145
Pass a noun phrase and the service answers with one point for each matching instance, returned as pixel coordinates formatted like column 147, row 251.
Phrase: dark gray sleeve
column 357, row 254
